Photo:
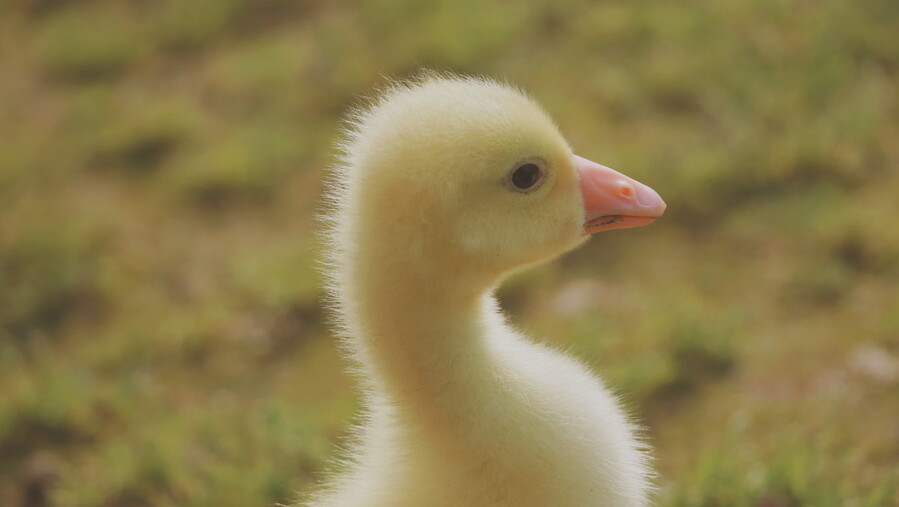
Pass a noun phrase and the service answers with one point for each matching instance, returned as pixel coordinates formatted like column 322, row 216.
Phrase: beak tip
column 650, row 200
column 660, row 206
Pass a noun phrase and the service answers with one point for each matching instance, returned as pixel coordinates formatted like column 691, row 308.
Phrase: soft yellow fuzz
column 460, row 409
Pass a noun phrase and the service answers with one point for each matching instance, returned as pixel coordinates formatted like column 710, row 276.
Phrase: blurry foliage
column 146, row 140
column 246, row 163
column 48, row 275
column 161, row 330
column 86, row 42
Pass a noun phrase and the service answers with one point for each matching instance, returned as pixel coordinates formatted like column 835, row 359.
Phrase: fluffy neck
column 420, row 334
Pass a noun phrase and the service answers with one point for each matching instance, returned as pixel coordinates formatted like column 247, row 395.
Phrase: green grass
column 88, row 42
column 162, row 340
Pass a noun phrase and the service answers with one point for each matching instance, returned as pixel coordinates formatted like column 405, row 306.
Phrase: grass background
column 161, row 336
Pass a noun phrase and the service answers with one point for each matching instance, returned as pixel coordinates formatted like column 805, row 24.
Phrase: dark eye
column 527, row 176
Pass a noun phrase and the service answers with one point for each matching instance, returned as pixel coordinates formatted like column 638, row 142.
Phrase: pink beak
column 614, row 201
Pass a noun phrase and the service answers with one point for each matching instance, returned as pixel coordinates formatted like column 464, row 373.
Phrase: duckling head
column 471, row 178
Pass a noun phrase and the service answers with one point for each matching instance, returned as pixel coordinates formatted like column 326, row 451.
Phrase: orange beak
column 614, row 201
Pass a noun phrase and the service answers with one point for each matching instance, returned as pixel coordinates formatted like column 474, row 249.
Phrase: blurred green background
column 161, row 335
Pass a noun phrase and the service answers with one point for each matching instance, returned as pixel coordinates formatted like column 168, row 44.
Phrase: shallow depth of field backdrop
column 161, row 334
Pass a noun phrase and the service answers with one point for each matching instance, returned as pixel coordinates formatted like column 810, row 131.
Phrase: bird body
column 448, row 184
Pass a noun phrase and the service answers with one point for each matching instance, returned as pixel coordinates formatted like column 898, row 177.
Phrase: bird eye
column 526, row 177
